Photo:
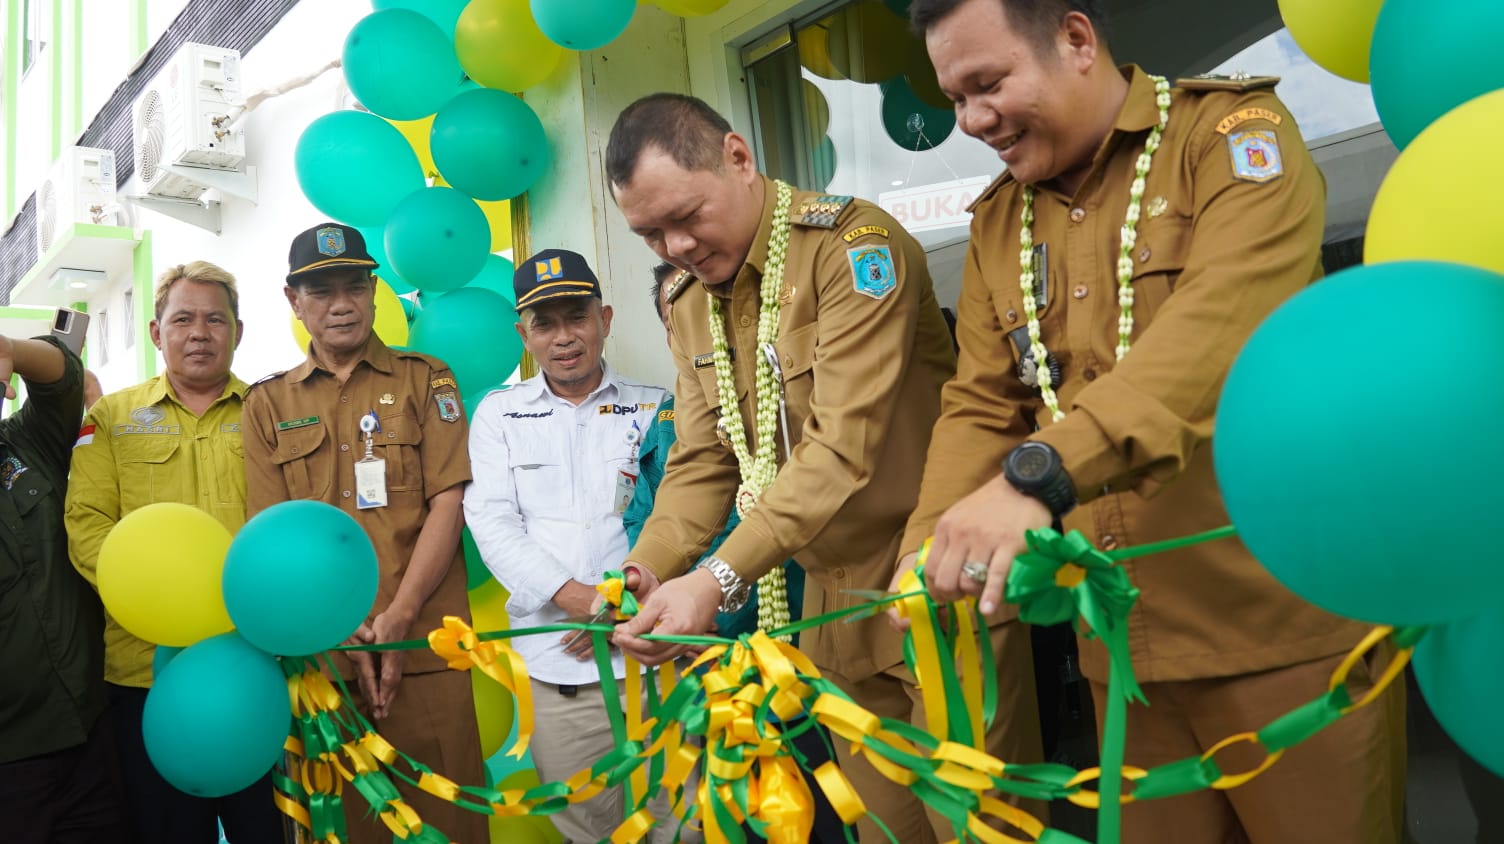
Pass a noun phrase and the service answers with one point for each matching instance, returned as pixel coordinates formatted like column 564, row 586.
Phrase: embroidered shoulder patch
column 1255, row 155
column 862, row 231
column 449, row 406
column 1231, row 121
column 665, row 416
column 872, row 270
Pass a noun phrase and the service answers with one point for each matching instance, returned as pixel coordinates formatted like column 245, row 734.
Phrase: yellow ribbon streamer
column 459, row 647
column 926, row 653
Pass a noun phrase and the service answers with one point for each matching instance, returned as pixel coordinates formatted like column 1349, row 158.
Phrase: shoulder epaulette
column 1003, row 178
column 821, row 212
column 272, row 377
column 1232, row 82
column 677, row 285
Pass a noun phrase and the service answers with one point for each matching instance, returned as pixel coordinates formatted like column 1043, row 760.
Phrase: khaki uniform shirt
column 302, row 439
column 141, row 446
column 863, row 372
column 1231, row 227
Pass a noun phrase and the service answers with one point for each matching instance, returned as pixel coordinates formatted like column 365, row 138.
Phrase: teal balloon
column 496, row 277
column 355, row 167
column 374, row 244
column 400, row 65
column 1457, row 667
column 583, row 24
column 163, row 655
column 1427, row 58
column 300, row 576
column 444, row 13
column 476, row 572
column 489, row 144
column 1321, row 472
column 474, row 331
column 410, row 309
column 911, row 122
column 825, row 162
column 438, row 239
column 216, row 718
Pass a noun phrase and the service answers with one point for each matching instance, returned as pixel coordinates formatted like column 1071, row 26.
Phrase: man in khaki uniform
column 1230, row 225
column 305, row 431
column 861, row 349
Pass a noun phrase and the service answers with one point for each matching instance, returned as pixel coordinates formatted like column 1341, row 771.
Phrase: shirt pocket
column 1159, row 256
column 307, row 461
column 145, row 476
column 796, row 357
column 712, row 393
column 230, row 455
column 540, row 475
column 400, row 437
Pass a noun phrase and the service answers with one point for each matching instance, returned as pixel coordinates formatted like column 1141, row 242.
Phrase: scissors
column 600, row 615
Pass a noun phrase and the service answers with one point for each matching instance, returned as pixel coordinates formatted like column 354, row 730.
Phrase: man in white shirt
column 555, row 462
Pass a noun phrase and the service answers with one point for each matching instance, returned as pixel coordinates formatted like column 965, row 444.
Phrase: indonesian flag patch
column 85, row 436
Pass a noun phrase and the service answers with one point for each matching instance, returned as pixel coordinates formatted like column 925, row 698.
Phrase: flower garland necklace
column 758, row 470
column 1129, row 236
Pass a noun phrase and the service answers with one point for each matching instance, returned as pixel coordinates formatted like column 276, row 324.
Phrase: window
column 102, row 339
column 32, row 14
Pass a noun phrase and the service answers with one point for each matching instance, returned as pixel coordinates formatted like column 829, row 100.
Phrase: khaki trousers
column 573, row 733
column 1013, row 738
column 1345, row 785
column 433, row 721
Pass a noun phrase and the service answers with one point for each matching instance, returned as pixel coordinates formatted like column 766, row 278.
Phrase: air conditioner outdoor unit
column 183, row 120
column 80, row 188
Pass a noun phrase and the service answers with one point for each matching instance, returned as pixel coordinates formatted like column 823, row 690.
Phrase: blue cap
column 552, row 274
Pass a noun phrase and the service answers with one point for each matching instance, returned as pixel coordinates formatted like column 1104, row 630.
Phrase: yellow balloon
column 494, row 708
column 1438, row 201
column 1334, row 33
column 518, row 830
column 417, row 134
column 391, row 320
column 814, row 50
column 868, row 43
column 499, row 215
column 159, row 574
column 500, row 46
column 488, row 606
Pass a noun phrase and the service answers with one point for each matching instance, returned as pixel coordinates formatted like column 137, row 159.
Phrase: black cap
column 551, row 274
column 327, row 246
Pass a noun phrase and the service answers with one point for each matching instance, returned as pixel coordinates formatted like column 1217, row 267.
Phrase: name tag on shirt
column 370, row 484
column 626, row 485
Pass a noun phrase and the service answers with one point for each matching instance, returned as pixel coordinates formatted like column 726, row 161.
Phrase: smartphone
column 71, row 326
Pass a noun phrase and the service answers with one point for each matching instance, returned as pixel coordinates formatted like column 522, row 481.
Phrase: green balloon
column 400, row 65
column 1309, row 429
column 1456, row 665
column 489, row 144
column 445, row 13
column 473, row 331
column 1427, row 58
column 355, row 167
column 496, row 277
column 911, row 122
column 375, row 245
column 476, row 572
column 438, row 239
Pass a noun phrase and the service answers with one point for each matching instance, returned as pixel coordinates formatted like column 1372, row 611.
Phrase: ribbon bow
column 459, row 646
column 1064, row 578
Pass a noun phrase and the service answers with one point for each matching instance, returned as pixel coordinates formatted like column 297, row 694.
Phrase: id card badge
column 370, row 483
column 370, row 471
column 626, row 485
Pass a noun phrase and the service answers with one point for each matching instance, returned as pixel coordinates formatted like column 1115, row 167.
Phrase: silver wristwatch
column 734, row 590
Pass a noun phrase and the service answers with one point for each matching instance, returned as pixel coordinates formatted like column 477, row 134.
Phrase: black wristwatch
column 1036, row 470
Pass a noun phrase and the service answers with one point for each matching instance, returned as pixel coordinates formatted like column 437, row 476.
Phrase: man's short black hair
column 661, row 274
column 1036, row 20
column 686, row 128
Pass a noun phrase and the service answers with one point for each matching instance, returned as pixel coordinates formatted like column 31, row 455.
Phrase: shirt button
column 295, row 450
column 33, row 492
column 1079, row 292
column 745, row 321
column 344, row 446
column 1012, row 315
column 344, row 399
column 788, row 361
column 838, row 574
column 1109, row 542
column 1144, row 255
column 1078, row 214
column 1090, row 375
column 346, row 493
column 391, row 434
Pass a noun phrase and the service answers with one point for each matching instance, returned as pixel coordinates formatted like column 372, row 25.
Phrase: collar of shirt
column 376, row 355
column 536, row 389
column 160, row 388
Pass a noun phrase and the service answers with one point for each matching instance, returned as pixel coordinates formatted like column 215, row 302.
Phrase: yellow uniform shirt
column 141, row 446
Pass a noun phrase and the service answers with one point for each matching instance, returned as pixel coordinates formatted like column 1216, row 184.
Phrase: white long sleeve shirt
column 544, row 504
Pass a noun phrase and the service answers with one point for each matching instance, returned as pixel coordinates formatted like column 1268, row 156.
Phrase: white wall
column 254, row 239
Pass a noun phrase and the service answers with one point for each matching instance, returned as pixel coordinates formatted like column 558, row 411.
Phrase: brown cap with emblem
column 324, row 247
